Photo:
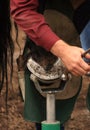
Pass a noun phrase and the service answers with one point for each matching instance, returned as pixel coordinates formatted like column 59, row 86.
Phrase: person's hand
column 71, row 57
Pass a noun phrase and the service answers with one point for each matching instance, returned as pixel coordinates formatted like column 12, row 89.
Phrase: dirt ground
column 80, row 118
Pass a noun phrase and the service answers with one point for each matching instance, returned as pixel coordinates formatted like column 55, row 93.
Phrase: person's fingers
column 84, row 65
column 80, row 68
column 79, row 71
column 87, row 56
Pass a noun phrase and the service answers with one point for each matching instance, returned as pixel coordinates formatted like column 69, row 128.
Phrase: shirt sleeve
column 33, row 23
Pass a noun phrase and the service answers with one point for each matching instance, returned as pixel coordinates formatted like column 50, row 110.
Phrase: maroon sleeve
column 33, row 23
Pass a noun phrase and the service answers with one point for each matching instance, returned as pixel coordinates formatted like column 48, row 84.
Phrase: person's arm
column 33, row 23
column 71, row 57
column 26, row 16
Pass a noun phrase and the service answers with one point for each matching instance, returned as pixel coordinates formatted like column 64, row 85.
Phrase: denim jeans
column 85, row 38
column 85, row 42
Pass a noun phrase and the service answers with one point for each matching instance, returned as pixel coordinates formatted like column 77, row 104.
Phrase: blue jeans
column 85, row 38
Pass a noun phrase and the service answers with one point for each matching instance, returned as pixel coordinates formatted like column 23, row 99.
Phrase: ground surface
column 80, row 119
